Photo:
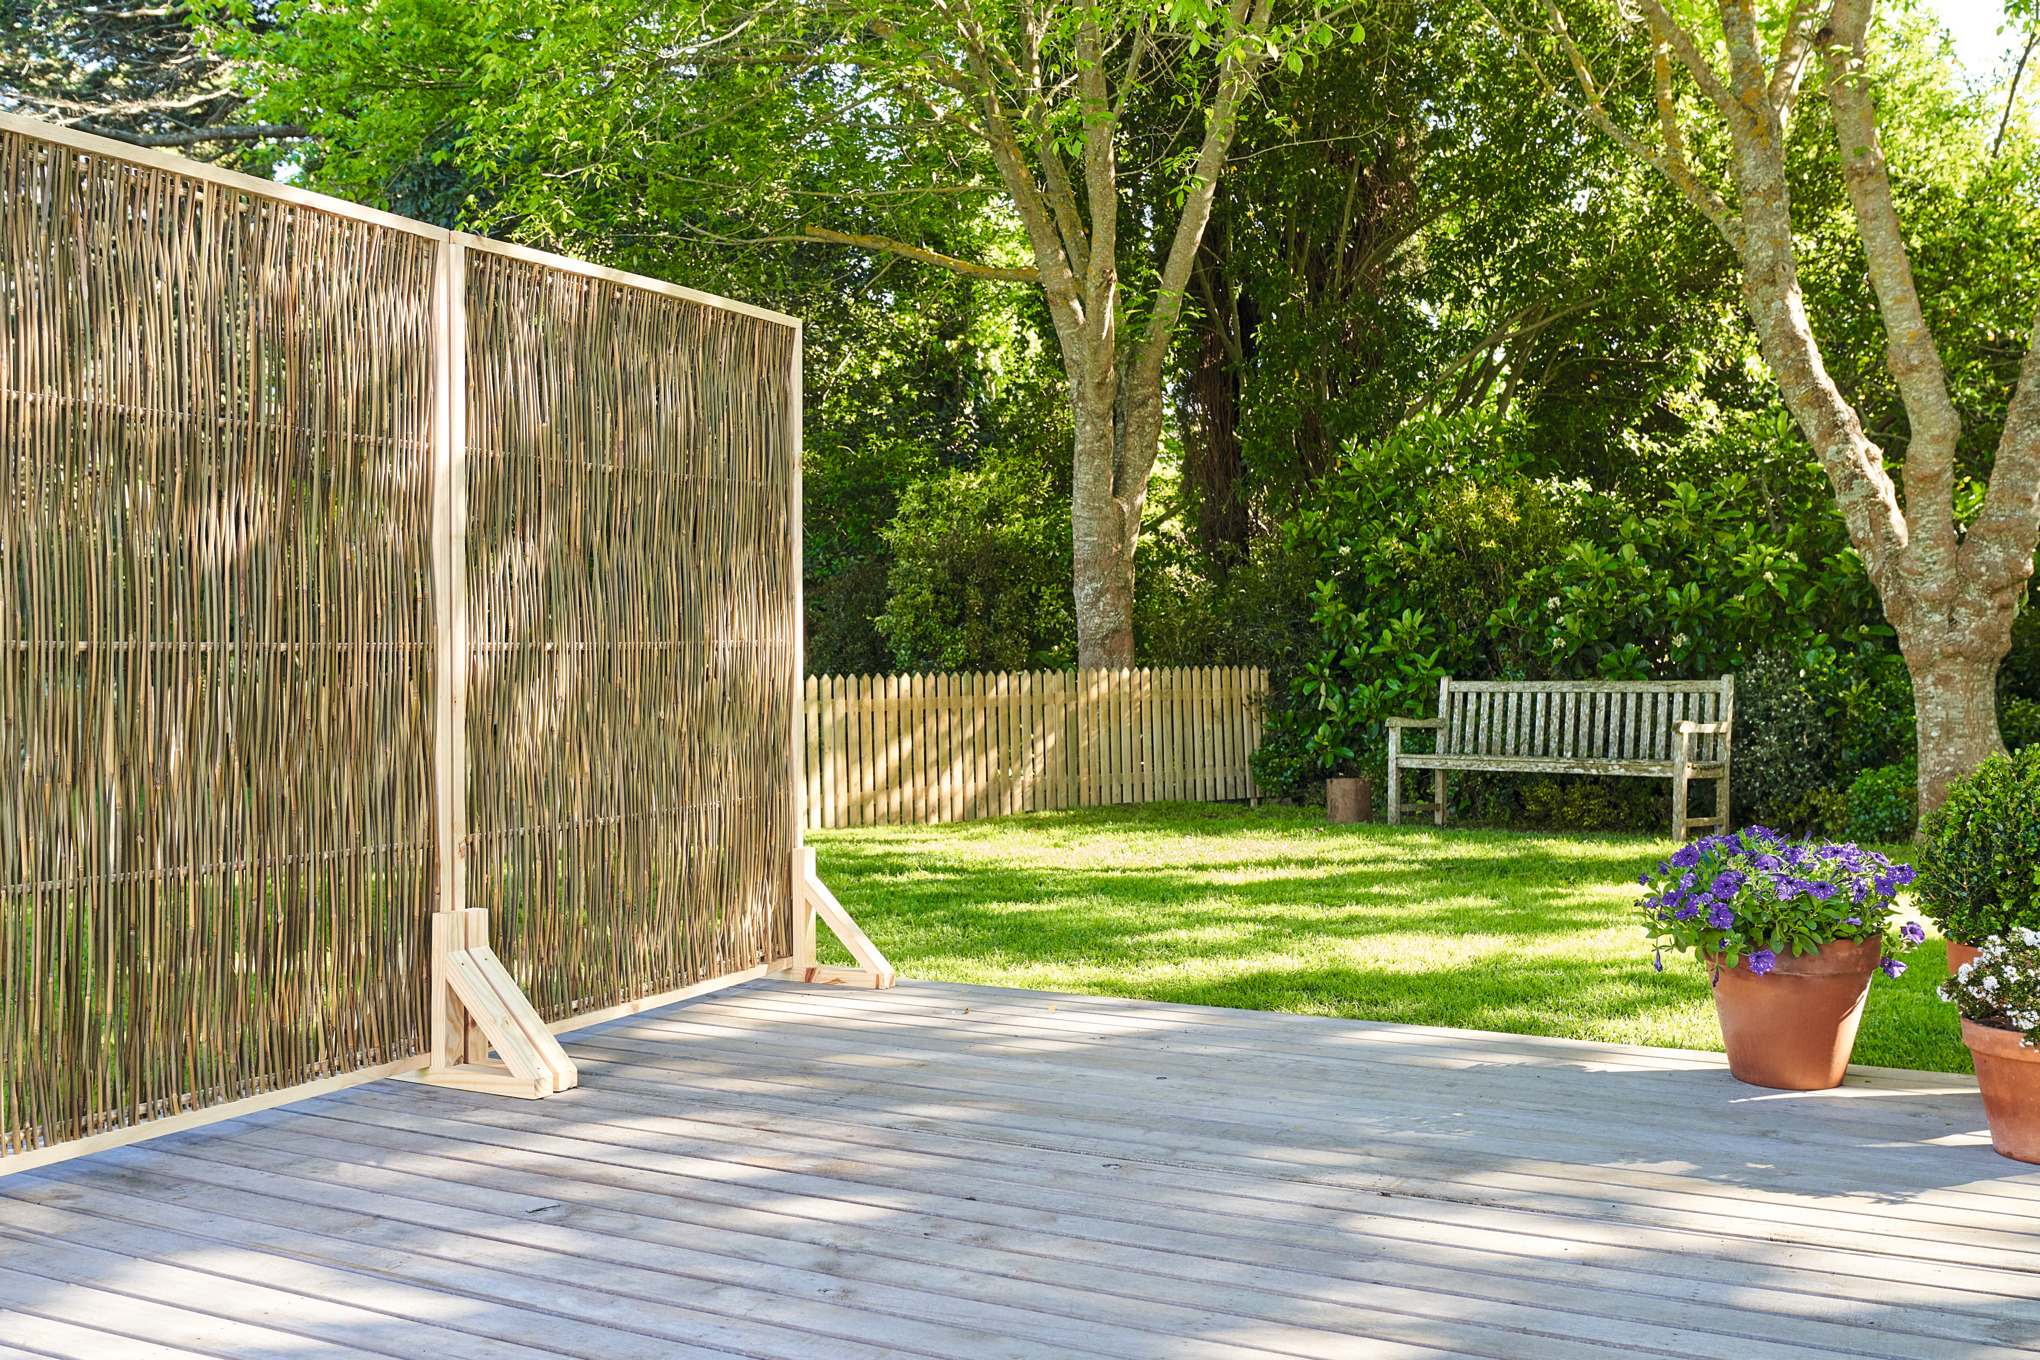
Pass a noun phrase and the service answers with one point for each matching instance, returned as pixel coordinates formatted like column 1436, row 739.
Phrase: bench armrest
column 1415, row 722
column 1703, row 727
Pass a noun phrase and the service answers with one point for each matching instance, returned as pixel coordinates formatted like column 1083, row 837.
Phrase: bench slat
column 1540, row 765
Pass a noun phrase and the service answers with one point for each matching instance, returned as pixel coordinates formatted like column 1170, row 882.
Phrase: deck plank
column 791, row 1172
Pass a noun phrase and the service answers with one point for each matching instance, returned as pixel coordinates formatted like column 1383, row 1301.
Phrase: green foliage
column 1437, row 552
column 1817, row 814
column 1753, row 895
column 980, row 574
column 1586, row 804
column 1884, row 804
column 1784, row 749
column 2019, row 723
column 1982, row 850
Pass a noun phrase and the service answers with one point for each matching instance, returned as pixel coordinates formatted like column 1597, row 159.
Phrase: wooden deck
column 789, row 1171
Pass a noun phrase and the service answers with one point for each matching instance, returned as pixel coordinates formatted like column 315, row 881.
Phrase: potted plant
column 1790, row 935
column 1982, row 853
column 1998, row 993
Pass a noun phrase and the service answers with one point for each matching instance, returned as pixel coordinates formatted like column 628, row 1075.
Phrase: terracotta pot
column 1793, row 1028
column 1349, row 800
column 2008, row 1074
column 1959, row 954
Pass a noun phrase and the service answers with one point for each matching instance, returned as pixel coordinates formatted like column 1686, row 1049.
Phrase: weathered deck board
column 943, row 1171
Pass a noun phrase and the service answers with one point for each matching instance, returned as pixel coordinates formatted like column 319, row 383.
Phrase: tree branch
column 1999, row 541
column 2012, row 95
column 1701, row 195
column 921, row 253
column 247, row 132
column 1236, row 79
column 1793, row 49
column 1690, row 57
column 1910, row 352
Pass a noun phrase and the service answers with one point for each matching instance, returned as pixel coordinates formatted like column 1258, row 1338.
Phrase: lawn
column 1270, row 909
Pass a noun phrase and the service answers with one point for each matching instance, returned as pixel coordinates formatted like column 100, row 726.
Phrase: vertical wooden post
column 1438, row 776
column 1724, row 744
column 450, row 639
column 1682, row 742
column 802, row 778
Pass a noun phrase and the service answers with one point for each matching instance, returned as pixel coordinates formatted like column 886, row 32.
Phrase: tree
column 132, row 70
column 913, row 108
column 1712, row 115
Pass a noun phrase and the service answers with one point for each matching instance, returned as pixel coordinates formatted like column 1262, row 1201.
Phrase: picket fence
column 910, row 749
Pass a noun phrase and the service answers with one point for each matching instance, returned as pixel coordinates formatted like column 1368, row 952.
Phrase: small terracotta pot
column 1794, row 1027
column 1959, row 954
column 1349, row 800
column 2008, row 1075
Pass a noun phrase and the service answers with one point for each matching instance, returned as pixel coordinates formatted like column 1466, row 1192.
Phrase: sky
column 1974, row 24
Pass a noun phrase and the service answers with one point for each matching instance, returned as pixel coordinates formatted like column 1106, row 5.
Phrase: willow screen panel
column 633, row 619
column 215, row 827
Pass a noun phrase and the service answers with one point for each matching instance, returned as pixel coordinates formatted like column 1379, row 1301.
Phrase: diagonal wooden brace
column 486, row 1010
column 813, row 901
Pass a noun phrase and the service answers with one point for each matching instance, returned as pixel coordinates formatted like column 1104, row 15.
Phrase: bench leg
column 1438, row 794
column 1680, row 784
column 1721, row 804
column 1394, row 790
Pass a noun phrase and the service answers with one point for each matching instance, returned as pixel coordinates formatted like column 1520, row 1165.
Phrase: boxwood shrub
column 1983, row 845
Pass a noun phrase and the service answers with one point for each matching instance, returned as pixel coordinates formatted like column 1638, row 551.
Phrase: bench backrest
column 1581, row 719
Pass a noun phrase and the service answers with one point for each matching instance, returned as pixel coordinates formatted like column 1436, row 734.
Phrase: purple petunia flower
column 1852, row 920
column 1686, row 856
column 1762, row 962
column 1789, row 888
column 1821, row 889
column 1912, row 932
column 1892, row 967
column 1860, row 891
column 1903, row 874
column 1769, row 863
column 1686, row 880
column 1643, row 880
column 1657, row 960
column 1720, row 917
column 1761, row 833
column 1727, row 884
column 1688, row 911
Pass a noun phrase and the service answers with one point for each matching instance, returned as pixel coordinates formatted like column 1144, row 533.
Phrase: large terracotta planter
column 1793, row 1028
column 2008, row 1074
column 1959, row 954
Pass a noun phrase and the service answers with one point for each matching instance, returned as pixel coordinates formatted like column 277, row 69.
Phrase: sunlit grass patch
column 1270, row 909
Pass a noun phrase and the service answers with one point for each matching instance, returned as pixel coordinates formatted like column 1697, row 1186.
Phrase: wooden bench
column 1665, row 729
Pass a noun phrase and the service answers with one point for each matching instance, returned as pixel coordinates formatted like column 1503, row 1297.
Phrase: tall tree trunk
column 1104, row 533
column 1955, row 702
column 1951, row 594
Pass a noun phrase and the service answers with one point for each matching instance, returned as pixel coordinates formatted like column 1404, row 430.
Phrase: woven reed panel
column 214, row 718
column 631, row 604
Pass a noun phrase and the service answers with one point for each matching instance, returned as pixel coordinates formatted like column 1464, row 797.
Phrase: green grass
column 1270, row 909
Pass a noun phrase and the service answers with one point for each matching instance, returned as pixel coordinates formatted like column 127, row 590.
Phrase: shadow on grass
column 1270, row 909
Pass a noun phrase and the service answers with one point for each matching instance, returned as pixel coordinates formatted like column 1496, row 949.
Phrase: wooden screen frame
column 450, row 591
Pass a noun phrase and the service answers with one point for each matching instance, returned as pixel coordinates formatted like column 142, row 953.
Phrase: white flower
column 2026, row 935
column 1990, row 984
column 1962, row 973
